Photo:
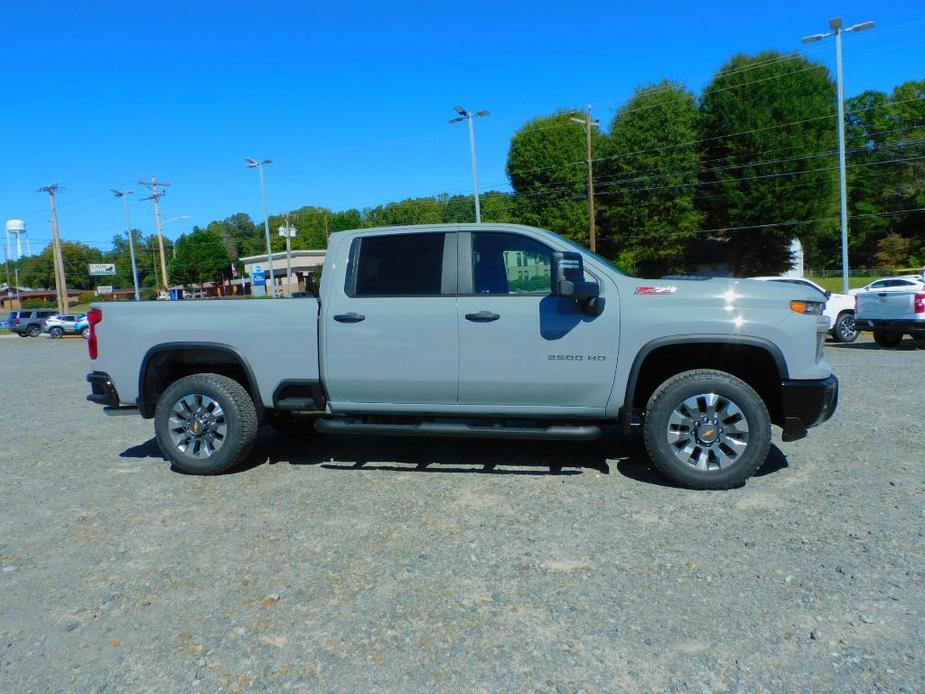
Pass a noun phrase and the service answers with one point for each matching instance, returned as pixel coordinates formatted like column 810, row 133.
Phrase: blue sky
column 351, row 101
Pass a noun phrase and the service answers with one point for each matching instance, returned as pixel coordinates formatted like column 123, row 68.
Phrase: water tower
column 17, row 228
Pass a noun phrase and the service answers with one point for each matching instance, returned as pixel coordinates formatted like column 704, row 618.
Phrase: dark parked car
column 28, row 323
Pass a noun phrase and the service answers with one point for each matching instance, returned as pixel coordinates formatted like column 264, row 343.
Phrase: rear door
column 522, row 349
column 390, row 334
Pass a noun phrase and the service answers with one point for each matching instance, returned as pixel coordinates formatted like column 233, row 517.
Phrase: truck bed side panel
column 278, row 338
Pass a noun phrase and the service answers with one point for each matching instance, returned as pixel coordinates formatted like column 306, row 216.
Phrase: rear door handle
column 482, row 317
column 349, row 317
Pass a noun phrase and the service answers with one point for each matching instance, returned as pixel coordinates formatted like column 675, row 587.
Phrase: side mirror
column 568, row 276
column 828, row 294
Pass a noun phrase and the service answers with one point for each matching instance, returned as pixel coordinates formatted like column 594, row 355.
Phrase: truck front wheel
column 707, row 429
column 205, row 424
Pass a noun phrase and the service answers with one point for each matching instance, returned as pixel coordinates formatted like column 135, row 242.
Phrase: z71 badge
column 656, row 290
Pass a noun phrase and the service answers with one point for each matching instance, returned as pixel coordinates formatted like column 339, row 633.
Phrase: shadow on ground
column 907, row 345
column 453, row 456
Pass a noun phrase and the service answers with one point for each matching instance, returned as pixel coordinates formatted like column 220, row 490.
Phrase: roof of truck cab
column 484, row 226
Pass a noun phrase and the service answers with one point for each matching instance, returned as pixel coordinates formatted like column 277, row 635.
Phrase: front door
column 390, row 332
column 522, row 349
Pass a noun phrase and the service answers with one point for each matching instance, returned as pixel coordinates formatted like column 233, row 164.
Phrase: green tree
column 893, row 251
column 647, row 180
column 39, row 271
column 769, row 134
column 201, row 257
column 546, row 165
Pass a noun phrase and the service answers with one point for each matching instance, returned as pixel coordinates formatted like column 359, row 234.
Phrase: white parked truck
column 891, row 313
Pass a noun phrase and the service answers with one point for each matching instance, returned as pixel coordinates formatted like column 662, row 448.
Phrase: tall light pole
column 466, row 115
column 589, row 124
column 131, row 241
column 837, row 29
column 156, row 195
column 254, row 164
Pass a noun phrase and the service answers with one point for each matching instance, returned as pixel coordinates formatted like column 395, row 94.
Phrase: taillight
column 16, row 323
column 94, row 316
column 920, row 303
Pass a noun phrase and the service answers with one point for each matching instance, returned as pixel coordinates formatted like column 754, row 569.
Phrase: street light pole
column 254, row 164
column 131, row 242
column 837, row 29
column 466, row 115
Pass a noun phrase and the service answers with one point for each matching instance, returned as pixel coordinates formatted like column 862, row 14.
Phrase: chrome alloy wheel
column 197, row 425
column 708, row 432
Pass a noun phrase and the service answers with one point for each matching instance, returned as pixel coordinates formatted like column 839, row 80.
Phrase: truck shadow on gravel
column 907, row 345
column 453, row 456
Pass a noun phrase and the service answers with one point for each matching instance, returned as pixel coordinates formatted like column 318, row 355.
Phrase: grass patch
column 833, row 284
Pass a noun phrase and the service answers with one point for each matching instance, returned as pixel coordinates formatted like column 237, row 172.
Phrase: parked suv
column 28, row 323
column 62, row 324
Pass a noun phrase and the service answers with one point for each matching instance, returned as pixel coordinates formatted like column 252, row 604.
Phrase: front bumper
column 805, row 404
column 901, row 325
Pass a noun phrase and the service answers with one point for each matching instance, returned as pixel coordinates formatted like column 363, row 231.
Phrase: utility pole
column 60, row 278
column 288, row 231
column 837, row 29
column 156, row 195
column 589, row 123
column 131, row 242
column 466, row 115
column 254, row 164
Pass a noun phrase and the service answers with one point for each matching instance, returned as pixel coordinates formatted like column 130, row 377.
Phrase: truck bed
column 277, row 338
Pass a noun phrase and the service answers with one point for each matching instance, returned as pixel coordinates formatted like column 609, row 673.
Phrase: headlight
column 813, row 308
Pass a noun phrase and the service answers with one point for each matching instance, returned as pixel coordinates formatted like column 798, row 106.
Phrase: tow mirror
column 568, row 279
column 568, row 276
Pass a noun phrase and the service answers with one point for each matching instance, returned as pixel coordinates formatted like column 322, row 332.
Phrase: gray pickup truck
column 492, row 330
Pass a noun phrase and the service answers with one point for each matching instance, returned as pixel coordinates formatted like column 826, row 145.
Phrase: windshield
column 599, row 258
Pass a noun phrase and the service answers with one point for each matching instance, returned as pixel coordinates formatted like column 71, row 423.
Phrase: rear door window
column 399, row 265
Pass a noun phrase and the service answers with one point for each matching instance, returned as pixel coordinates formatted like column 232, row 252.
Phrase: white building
column 304, row 263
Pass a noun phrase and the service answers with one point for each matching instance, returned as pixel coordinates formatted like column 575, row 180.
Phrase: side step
column 562, row 433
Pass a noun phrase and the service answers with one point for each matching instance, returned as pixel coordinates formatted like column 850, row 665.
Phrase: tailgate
column 886, row 305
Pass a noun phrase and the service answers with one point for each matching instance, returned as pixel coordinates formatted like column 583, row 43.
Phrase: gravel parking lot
column 361, row 564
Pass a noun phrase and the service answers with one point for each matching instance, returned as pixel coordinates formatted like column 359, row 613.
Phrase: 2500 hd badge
column 577, row 357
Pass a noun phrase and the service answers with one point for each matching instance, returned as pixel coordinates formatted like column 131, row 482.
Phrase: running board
column 563, row 433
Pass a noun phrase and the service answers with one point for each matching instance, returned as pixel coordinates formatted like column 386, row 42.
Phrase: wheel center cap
column 707, row 433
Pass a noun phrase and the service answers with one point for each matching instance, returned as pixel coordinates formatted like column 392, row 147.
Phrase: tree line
column 747, row 165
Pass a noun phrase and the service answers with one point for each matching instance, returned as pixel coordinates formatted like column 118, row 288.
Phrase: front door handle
column 482, row 317
column 349, row 317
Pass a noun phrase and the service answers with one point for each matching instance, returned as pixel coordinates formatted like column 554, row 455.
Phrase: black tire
column 55, row 332
column 23, row 334
column 732, row 468
column 888, row 338
column 86, row 333
column 844, row 330
column 240, row 423
column 34, row 331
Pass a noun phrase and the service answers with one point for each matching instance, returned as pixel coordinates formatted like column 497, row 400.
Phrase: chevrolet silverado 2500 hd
column 488, row 330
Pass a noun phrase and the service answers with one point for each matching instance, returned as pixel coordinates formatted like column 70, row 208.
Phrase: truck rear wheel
column 888, row 338
column 205, row 424
column 707, row 429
